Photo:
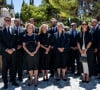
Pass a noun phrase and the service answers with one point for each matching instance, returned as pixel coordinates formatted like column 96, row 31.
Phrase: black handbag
column 83, row 58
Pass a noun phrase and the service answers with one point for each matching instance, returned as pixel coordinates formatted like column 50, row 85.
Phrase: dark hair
column 7, row 18
column 85, row 22
column 31, row 19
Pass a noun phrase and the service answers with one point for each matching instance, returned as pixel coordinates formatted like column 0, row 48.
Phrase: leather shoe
column 15, row 84
column 5, row 86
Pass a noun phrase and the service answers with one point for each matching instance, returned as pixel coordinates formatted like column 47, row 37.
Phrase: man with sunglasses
column 9, row 45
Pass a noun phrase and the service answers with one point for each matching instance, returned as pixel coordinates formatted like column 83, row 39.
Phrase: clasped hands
column 9, row 51
column 60, row 49
column 32, row 53
column 47, row 50
column 83, row 52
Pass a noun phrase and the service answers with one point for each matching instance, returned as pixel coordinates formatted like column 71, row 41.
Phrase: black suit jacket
column 96, row 38
column 19, row 34
column 0, row 41
column 8, row 41
column 73, row 40
column 62, row 41
column 52, row 31
column 87, row 38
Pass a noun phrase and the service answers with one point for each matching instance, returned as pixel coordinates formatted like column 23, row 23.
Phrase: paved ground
column 73, row 83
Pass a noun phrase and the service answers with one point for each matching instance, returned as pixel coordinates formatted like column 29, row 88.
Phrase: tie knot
column 74, row 33
column 7, row 28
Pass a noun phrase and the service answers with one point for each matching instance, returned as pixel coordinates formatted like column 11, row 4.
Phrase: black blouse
column 31, row 42
column 44, row 39
column 87, row 38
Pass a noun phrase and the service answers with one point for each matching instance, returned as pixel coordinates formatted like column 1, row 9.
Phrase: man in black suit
column 0, row 41
column 9, row 45
column 53, row 28
column 95, row 30
column 73, row 48
column 51, row 31
column 36, row 29
column 19, row 52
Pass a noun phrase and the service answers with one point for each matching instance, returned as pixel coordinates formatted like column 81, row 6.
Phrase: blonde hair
column 29, row 24
column 60, row 24
column 41, row 30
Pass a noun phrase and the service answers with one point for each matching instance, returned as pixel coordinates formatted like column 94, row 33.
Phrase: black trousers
column 93, row 65
column 91, row 59
column 19, row 59
column 52, row 62
column 9, row 63
column 74, row 54
column 98, row 60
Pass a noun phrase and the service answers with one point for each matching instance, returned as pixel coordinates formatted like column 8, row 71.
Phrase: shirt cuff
column 14, row 49
column 6, row 49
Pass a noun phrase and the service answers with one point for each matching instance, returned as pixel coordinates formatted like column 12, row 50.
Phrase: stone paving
column 73, row 83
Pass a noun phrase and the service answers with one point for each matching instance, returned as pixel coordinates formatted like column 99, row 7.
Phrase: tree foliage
column 17, row 15
column 66, row 7
column 96, row 11
column 30, row 11
column 50, row 8
column 50, row 11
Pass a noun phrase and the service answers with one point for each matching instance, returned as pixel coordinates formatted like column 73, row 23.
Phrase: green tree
column 67, row 8
column 30, row 11
column 17, row 15
column 50, row 11
column 96, row 11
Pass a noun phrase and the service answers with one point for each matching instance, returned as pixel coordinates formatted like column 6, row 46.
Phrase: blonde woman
column 45, row 46
column 31, row 46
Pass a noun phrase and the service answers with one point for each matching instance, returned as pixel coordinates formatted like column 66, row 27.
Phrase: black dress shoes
column 15, row 84
column 5, row 86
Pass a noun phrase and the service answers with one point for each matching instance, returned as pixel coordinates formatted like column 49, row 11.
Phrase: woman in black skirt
column 61, row 46
column 31, row 46
column 44, row 38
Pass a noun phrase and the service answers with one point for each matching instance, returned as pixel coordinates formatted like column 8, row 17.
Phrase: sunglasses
column 84, row 24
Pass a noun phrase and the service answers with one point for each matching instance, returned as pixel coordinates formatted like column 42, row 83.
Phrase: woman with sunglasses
column 84, row 45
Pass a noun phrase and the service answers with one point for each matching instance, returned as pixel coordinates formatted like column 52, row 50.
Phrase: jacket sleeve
column 67, row 41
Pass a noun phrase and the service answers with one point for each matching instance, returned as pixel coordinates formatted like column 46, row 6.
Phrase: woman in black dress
column 31, row 46
column 44, row 38
column 84, row 46
column 61, row 46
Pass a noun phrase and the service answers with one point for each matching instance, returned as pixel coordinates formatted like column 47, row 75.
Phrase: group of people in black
column 49, row 49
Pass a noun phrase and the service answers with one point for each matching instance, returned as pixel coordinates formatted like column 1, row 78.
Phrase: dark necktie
column 74, row 33
column 53, row 29
column 17, row 30
column 93, row 29
column 8, row 30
